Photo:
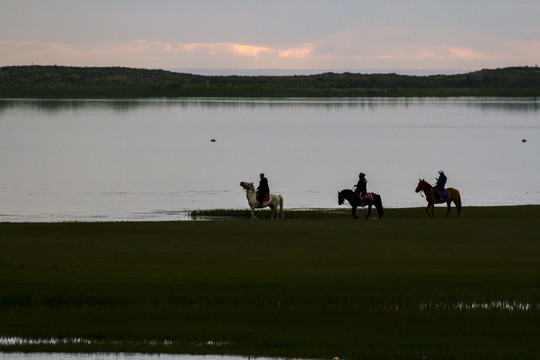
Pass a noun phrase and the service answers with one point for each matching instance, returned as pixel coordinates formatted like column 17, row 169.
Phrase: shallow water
column 101, row 160
column 118, row 356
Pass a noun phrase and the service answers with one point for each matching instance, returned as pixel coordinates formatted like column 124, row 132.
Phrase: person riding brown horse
column 429, row 191
column 439, row 186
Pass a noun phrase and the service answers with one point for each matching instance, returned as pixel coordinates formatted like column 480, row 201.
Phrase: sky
column 335, row 35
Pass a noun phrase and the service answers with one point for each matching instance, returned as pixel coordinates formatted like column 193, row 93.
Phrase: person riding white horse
column 275, row 201
column 263, row 191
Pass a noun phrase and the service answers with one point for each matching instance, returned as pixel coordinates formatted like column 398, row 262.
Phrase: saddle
column 368, row 196
column 443, row 194
column 266, row 198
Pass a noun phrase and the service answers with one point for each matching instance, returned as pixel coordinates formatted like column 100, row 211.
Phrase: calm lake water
column 99, row 160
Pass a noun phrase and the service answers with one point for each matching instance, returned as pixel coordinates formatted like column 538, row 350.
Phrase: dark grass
column 321, row 286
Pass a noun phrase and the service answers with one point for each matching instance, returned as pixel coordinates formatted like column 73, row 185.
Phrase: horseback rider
column 263, row 190
column 361, row 187
column 439, row 186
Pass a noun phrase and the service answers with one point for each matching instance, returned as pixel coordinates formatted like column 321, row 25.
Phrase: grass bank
column 403, row 287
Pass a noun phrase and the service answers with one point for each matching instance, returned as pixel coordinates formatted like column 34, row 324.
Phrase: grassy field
column 312, row 286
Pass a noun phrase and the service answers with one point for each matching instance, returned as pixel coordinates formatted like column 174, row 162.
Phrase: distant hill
column 120, row 82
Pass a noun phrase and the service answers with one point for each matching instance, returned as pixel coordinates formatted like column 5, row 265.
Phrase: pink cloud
column 464, row 53
column 298, row 53
column 212, row 48
column 353, row 49
column 17, row 52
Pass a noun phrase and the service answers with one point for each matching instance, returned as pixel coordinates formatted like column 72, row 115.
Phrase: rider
column 439, row 186
column 361, row 187
column 263, row 190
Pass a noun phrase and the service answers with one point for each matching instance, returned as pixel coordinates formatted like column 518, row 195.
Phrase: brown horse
column 453, row 195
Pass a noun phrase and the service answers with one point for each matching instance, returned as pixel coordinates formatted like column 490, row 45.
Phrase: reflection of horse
column 274, row 201
column 453, row 195
column 349, row 195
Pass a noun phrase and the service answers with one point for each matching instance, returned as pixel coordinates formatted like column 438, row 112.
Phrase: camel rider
column 263, row 190
column 441, row 182
column 361, row 187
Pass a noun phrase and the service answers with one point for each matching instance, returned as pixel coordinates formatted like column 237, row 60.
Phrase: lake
column 153, row 159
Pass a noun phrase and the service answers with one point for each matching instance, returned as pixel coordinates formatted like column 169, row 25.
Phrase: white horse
column 275, row 201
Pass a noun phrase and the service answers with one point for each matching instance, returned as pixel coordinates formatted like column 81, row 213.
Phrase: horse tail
column 379, row 205
column 281, row 215
column 458, row 203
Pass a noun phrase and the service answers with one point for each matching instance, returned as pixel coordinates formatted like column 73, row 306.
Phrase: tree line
column 121, row 82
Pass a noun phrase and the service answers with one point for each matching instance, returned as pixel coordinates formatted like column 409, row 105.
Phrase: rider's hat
column 441, row 172
column 362, row 175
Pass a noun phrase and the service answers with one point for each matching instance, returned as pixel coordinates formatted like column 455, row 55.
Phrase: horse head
column 247, row 185
column 422, row 185
column 418, row 187
column 340, row 198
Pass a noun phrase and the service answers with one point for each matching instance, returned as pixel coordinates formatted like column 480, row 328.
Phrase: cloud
column 218, row 48
column 466, row 53
column 129, row 54
column 353, row 48
column 303, row 51
column 417, row 48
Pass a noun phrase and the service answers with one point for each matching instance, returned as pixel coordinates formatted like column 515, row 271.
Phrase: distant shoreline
column 62, row 82
column 307, row 72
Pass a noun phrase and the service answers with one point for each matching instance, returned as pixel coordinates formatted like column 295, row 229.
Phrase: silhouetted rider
column 441, row 182
column 263, row 190
column 361, row 187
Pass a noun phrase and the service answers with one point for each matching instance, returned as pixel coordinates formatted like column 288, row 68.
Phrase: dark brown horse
column 349, row 195
column 453, row 196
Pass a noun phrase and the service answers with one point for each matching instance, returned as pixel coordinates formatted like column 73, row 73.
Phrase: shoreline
column 122, row 82
column 243, row 213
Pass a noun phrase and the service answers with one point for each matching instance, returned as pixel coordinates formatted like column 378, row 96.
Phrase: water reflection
column 54, row 105
column 119, row 356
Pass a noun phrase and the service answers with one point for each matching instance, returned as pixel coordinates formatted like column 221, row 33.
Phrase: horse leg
column 354, row 212
column 431, row 207
column 378, row 205
column 448, row 205
column 368, row 211
column 274, row 212
column 253, row 217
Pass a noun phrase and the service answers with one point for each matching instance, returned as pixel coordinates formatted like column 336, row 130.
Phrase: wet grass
column 266, row 213
column 316, row 286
